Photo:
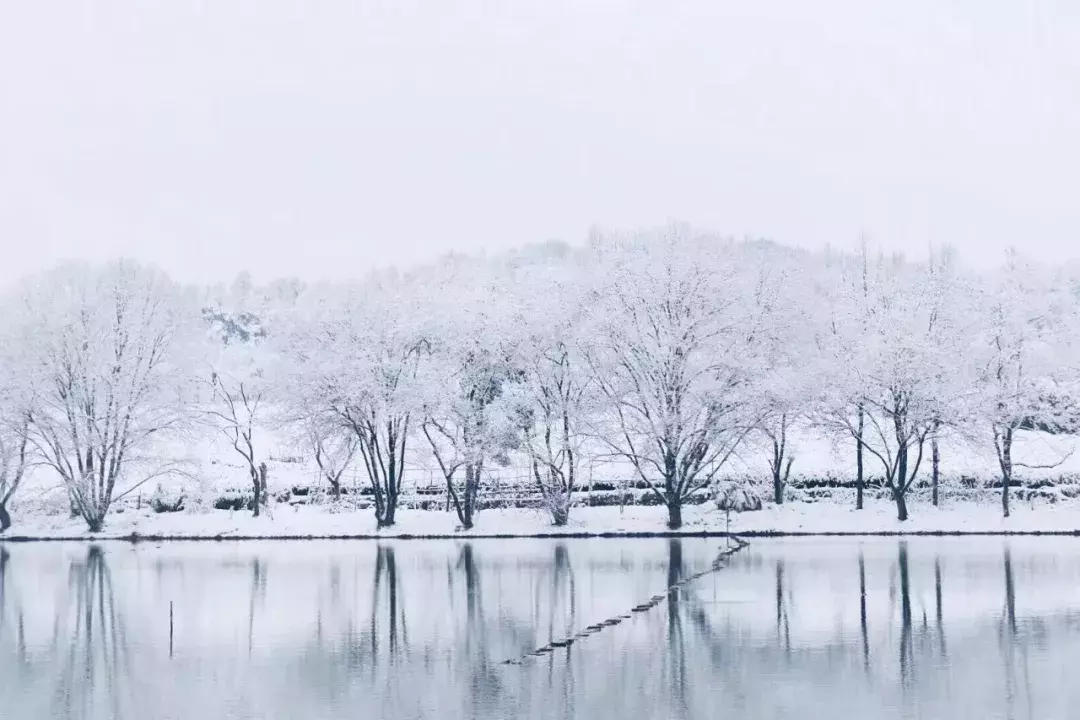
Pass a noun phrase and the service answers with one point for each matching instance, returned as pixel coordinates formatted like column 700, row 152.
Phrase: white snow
column 800, row 518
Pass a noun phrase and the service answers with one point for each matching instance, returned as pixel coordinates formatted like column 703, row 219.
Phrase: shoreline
column 798, row 519
column 136, row 538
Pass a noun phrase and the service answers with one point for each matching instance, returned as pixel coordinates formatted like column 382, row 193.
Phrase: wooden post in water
column 170, row 629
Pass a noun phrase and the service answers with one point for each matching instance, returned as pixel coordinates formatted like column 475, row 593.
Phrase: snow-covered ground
column 213, row 468
column 793, row 518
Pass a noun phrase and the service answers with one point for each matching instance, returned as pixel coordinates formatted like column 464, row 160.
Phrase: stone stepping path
column 652, row 602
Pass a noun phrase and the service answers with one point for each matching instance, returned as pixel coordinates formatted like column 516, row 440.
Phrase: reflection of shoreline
column 822, row 520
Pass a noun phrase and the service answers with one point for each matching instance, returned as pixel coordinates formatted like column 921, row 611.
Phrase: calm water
column 810, row 628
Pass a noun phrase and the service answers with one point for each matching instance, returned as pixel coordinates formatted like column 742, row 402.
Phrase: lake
column 796, row 628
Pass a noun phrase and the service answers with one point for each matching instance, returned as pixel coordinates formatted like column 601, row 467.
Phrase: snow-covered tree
column 15, row 459
column 953, row 294
column 16, row 410
column 355, row 350
column 467, row 375
column 1025, row 360
column 895, row 371
column 311, row 426
column 332, row 447
column 237, row 390
column 554, row 394
column 841, row 299
column 776, row 424
column 110, row 349
column 676, row 318
column 236, row 408
column 783, row 389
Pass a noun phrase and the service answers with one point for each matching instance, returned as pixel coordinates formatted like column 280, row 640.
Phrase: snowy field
column 213, row 472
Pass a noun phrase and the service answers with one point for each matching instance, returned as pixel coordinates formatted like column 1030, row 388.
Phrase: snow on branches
column 678, row 318
column 109, row 355
column 663, row 354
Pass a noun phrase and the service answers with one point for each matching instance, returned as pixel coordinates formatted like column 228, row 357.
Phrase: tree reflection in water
column 906, row 667
column 91, row 645
column 12, row 625
column 411, row 629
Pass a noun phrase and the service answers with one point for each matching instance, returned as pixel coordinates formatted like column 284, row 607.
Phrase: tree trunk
column 777, row 474
column 257, row 489
column 901, row 504
column 378, row 500
column 387, row 519
column 1006, row 469
column 5, row 518
column 674, row 510
column 394, row 469
column 555, row 492
column 935, row 456
column 472, row 485
column 466, row 516
column 1005, row 482
column 900, row 481
column 780, row 473
column 672, row 493
column 560, row 513
column 464, row 505
column 859, row 480
column 384, row 512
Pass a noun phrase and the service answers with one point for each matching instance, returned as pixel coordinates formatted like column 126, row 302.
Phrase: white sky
column 321, row 137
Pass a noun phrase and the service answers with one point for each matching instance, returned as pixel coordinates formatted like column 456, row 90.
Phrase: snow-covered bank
column 791, row 519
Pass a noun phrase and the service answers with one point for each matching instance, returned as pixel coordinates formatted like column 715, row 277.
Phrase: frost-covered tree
column 16, row 410
column 842, row 311
column 332, row 447
column 355, row 351
column 235, row 408
column 312, row 428
column 555, row 395
column 775, row 425
column 1025, row 360
column 783, row 389
column 15, row 459
column 676, row 317
column 466, row 379
column 236, row 386
column 111, row 353
column 895, row 371
column 953, row 293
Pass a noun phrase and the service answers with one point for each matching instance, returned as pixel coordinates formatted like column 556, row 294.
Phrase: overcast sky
column 322, row 137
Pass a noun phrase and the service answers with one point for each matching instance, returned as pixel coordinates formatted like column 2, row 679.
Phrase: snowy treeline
column 669, row 350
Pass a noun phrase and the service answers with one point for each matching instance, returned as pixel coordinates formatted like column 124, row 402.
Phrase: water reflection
column 938, row 612
column 12, row 627
column 862, row 613
column 809, row 629
column 387, row 614
column 905, row 617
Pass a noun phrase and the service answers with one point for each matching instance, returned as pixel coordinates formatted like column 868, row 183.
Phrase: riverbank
column 286, row 522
